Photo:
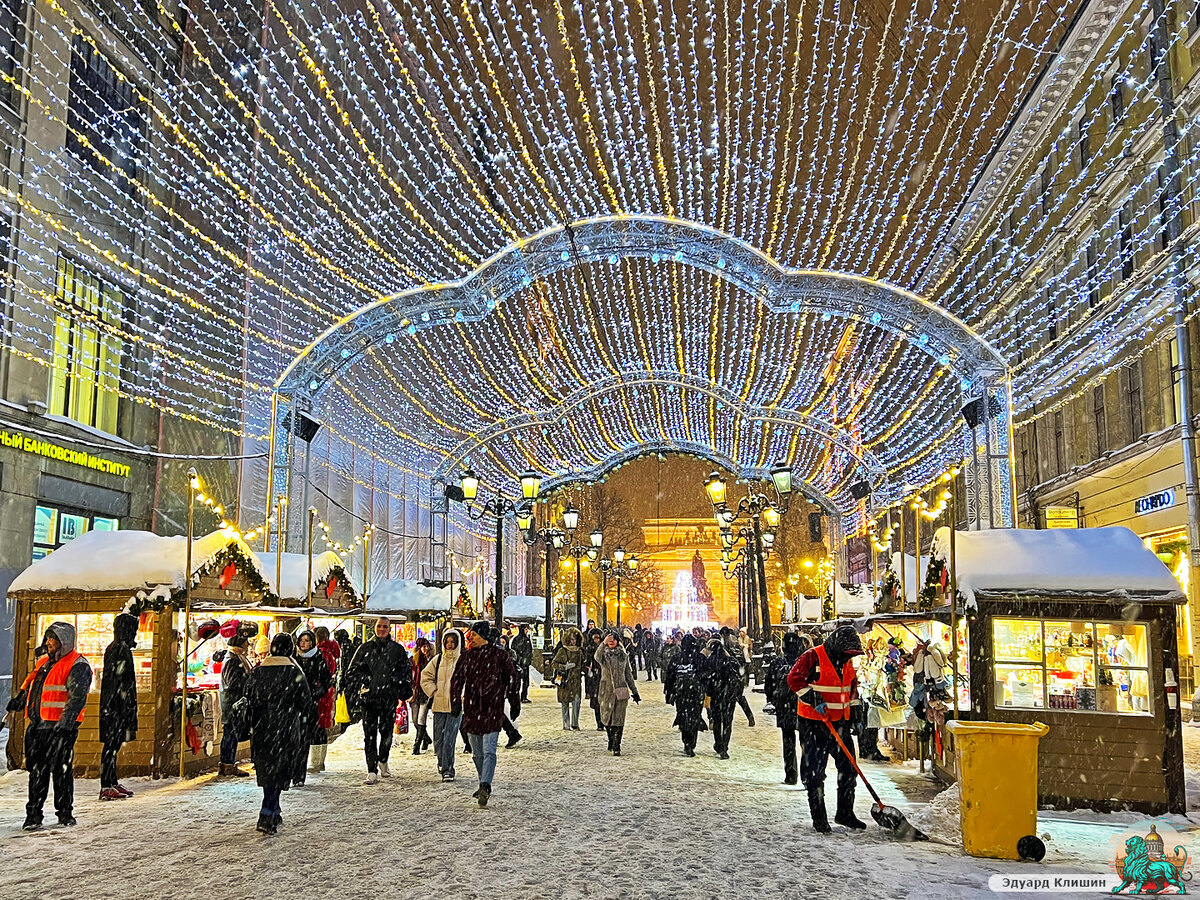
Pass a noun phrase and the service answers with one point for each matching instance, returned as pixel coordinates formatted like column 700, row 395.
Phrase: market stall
column 330, row 588
column 100, row 574
column 416, row 609
column 1075, row 628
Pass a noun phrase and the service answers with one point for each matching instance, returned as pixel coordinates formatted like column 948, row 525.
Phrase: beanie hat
column 483, row 629
column 281, row 645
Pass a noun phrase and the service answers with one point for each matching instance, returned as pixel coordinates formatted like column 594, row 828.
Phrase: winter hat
column 262, row 645
column 238, row 640
column 483, row 629
column 281, row 645
column 342, row 636
column 688, row 644
column 230, row 628
column 843, row 643
column 792, row 644
column 125, row 628
column 209, row 628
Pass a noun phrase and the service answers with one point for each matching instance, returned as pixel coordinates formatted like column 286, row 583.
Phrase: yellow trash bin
column 997, row 775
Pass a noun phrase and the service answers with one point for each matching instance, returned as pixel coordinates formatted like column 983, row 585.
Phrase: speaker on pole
column 306, row 428
column 860, row 490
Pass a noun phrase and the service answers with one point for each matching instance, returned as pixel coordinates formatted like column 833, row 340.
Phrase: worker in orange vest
column 53, row 697
column 826, row 684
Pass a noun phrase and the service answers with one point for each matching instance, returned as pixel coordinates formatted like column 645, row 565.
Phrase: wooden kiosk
column 100, row 574
column 416, row 609
column 331, row 588
column 1076, row 628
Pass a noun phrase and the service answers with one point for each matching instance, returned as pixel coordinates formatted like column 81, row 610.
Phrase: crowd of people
column 297, row 695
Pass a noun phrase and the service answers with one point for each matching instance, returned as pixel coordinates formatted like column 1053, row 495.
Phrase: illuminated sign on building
column 1152, row 502
column 23, row 442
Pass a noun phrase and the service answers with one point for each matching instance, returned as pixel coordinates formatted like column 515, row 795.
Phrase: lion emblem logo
column 1146, row 869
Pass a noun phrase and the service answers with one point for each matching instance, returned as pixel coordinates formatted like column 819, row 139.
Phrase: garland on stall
column 231, row 554
column 463, row 604
column 889, row 590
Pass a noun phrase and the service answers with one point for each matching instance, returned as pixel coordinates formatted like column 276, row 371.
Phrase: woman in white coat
column 435, row 683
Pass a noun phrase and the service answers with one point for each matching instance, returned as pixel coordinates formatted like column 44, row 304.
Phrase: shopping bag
column 402, row 719
column 341, row 712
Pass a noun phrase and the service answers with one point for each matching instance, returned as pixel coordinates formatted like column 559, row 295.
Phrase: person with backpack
column 379, row 677
column 725, row 688
column 684, row 688
column 784, row 700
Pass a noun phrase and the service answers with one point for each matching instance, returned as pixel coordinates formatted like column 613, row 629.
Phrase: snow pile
column 912, row 584
column 524, row 606
column 294, row 572
column 941, row 818
column 1060, row 559
column 407, row 595
column 854, row 599
column 124, row 561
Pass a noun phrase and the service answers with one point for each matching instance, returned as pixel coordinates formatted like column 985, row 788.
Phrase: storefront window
column 1172, row 549
column 93, row 634
column 1071, row 665
column 53, row 527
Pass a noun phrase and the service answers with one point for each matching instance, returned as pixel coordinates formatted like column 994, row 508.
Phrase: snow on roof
column 854, row 599
column 1059, row 559
column 810, row 609
column 294, row 572
column 124, row 561
column 911, row 582
column 409, row 595
column 524, row 606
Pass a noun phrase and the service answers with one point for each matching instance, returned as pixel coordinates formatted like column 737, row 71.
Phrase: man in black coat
column 118, row 704
column 522, row 650
column 483, row 679
column 684, row 687
column 784, row 700
column 234, row 671
column 724, row 679
column 379, row 677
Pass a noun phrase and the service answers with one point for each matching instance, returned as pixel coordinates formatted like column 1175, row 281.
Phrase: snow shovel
column 885, row 816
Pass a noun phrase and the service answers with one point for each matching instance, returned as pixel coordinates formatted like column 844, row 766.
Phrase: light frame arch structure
column 981, row 372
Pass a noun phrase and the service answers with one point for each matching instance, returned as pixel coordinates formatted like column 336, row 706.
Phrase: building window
column 1098, row 418
column 1125, row 243
column 12, row 43
column 103, row 110
column 1093, row 274
column 1133, row 389
column 1083, row 143
column 1100, row 667
column 53, row 527
column 1060, row 444
column 1045, row 184
column 1168, row 368
column 87, row 348
column 1163, row 207
column 1116, row 100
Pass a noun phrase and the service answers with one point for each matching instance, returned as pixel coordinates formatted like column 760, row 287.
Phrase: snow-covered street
column 566, row 820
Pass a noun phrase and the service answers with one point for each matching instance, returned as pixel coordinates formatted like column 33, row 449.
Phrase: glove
column 820, row 708
column 637, row 698
column 568, row 667
column 456, row 709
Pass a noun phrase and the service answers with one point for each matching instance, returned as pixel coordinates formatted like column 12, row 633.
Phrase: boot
column 232, row 769
column 428, row 739
column 324, row 753
column 816, row 806
column 419, row 740
column 314, row 758
column 610, row 731
column 620, row 730
column 845, row 809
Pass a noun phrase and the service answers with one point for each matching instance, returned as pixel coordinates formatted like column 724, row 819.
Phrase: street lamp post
column 501, row 507
column 578, row 552
column 761, row 511
column 550, row 538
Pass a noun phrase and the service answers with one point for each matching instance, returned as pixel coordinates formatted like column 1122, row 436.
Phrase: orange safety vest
column 54, row 688
column 834, row 691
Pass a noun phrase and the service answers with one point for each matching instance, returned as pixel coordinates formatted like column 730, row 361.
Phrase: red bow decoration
column 227, row 575
column 330, row 586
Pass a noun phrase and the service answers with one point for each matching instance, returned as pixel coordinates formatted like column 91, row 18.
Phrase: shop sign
column 1062, row 517
column 23, row 442
column 1152, row 502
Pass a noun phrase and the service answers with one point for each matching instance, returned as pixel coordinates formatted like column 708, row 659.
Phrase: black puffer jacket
column 118, row 683
column 724, row 675
column 380, row 675
column 776, row 687
column 278, row 708
column 685, row 684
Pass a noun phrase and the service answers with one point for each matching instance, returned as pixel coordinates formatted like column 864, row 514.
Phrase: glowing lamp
column 716, row 488
column 619, row 555
column 570, row 518
column 782, row 476
column 531, row 483
column 469, row 482
column 597, row 537
column 771, row 516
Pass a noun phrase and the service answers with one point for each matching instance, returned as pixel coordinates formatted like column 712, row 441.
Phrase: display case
column 93, row 634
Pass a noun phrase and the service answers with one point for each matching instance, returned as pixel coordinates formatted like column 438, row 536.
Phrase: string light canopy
column 311, row 161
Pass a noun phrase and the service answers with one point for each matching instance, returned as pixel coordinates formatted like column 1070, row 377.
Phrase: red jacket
column 331, row 653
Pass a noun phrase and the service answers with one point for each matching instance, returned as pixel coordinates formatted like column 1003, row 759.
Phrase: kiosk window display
column 1072, row 665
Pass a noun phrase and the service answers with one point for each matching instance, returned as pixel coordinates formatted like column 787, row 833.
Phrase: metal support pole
column 367, row 565
column 548, row 627
column 954, row 602
column 312, row 515
column 765, row 624
column 1179, row 286
column 499, row 606
column 280, row 503
column 917, row 529
column 618, row 598
column 604, row 596
column 903, row 563
column 578, row 591
column 187, row 611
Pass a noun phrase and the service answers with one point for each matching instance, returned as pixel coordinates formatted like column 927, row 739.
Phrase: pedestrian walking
column 591, row 673
column 423, row 652
column 53, row 696
column 332, row 651
column 319, row 679
column 684, row 687
column 650, row 649
column 484, row 677
column 625, row 638
column 784, row 700
column 724, row 686
column 826, row 684
column 739, row 652
column 118, row 704
column 617, row 687
column 379, row 678
column 235, row 669
column 568, row 665
column 522, row 649
column 435, row 682
column 278, row 708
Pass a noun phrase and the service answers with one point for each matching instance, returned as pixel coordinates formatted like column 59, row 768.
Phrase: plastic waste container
column 997, row 775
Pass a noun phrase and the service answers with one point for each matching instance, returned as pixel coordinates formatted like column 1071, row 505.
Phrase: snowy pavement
column 566, row 820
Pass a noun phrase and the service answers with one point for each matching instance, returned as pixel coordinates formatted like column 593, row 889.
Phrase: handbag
column 341, row 710
column 402, row 719
column 621, row 693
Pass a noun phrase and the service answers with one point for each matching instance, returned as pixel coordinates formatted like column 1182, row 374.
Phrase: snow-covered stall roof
column 1106, row 560
column 407, row 595
column 294, row 573
column 125, row 561
column 854, row 599
column 524, row 606
column 810, row 609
